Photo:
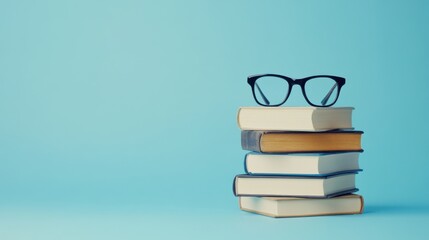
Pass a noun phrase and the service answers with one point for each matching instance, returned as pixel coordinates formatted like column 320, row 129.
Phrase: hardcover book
column 300, row 163
column 291, row 141
column 294, row 118
column 301, row 207
column 294, row 186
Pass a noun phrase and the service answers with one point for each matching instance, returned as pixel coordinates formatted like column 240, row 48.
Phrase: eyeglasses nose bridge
column 296, row 82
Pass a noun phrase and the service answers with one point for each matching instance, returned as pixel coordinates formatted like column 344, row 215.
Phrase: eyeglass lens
column 271, row 91
column 321, row 91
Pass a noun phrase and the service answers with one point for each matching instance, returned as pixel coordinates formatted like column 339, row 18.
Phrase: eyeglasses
column 273, row 90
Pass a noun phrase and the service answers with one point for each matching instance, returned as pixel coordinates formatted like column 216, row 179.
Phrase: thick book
column 294, row 186
column 300, row 163
column 302, row 207
column 292, row 141
column 294, row 118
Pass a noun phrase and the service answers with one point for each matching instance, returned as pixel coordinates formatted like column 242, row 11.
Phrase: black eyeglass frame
column 251, row 80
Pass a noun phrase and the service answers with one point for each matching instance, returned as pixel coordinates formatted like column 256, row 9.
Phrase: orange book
column 288, row 142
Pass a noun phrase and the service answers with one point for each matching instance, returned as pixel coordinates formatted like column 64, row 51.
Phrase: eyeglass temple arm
column 262, row 94
column 328, row 95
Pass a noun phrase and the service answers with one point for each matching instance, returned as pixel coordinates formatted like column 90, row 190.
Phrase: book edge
column 299, row 176
column 304, row 215
column 337, row 194
column 313, row 111
column 361, row 203
column 238, row 118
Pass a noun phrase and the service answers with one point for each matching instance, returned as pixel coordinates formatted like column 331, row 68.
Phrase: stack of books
column 303, row 161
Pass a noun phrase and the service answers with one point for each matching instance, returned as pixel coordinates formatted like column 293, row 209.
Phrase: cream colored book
column 294, row 118
column 302, row 207
column 300, row 163
column 294, row 186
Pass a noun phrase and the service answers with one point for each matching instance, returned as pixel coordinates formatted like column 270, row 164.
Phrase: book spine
column 245, row 164
column 234, row 190
column 238, row 118
column 251, row 140
column 361, row 204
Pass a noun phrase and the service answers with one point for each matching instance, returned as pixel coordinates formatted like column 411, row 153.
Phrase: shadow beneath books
column 397, row 209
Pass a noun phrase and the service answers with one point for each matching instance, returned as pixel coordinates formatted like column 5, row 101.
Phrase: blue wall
column 130, row 102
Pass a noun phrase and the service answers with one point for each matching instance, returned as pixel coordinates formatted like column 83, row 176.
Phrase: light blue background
column 118, row 118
